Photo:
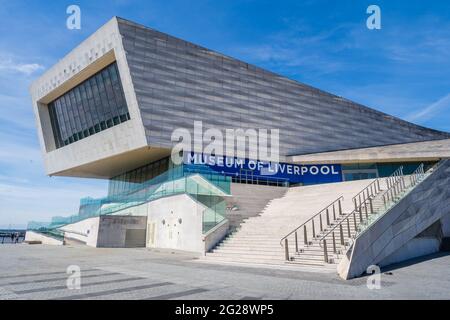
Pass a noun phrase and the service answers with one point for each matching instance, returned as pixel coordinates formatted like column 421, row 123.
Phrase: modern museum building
column 352, row 186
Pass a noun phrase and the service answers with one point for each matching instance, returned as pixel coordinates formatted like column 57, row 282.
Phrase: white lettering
column 314, row 170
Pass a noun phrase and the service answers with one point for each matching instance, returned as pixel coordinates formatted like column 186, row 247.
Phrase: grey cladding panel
column 177, row 82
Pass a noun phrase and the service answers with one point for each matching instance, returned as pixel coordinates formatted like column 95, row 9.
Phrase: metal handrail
column 305, row 236
column 362, row 198
column 394, row 177
column 304, row 223
column 418, row 172
column 395, row 186
column 354, row 212
column 375, row 184
column 372, row 189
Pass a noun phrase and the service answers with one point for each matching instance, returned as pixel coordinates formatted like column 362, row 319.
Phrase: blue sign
column 294, row 173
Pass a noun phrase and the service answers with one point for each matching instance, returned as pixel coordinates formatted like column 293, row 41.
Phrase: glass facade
column 360, row 171
column 95, row 105
column 128, row 181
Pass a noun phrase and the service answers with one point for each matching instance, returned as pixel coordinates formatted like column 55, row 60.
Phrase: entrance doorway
column 359, row 174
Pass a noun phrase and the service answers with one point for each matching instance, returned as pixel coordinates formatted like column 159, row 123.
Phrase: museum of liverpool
column 352, row 187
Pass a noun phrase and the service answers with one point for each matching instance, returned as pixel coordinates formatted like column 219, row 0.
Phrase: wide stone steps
column 257, row 240
column 316, row 266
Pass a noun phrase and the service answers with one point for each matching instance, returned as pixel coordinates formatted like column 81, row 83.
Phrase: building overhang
column 115, row 165
column 407, row 152
column 106, row 153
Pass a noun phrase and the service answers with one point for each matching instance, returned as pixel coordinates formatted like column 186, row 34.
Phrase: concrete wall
column 421, row 208
column 113, row 231
column 414, row 248
column 169, row 231
column 85, row 231
column 33, row 236
column 445, row 222
column 215, row 235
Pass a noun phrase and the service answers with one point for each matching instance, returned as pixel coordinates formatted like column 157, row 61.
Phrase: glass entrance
column 359, row 172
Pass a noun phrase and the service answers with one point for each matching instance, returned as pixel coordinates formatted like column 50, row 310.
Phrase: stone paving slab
column 39, row 272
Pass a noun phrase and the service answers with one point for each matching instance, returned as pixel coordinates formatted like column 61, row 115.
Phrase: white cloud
column 24, row 68
column 430, row 111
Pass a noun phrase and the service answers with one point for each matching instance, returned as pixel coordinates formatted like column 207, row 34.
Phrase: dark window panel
column 96, row 104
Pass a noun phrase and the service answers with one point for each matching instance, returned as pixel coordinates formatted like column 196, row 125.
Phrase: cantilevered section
column 104, row 147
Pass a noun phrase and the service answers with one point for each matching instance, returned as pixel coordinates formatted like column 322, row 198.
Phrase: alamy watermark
column 374, row 280
column 74, row 279
column 73, row 22
column 374, row 20
column 255, row 144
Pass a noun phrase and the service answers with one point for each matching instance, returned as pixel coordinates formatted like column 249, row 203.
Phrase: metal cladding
column 177, row 83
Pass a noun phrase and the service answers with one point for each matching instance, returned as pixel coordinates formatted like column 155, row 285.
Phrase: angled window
column 96, row 104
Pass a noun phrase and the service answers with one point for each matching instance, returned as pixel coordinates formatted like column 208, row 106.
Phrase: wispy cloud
column 9, row 65
column 431, row 111
column 295, row 49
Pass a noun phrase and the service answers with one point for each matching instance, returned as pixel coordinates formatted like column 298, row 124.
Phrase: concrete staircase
column 257, row 240
column 352, row 222
column 250, row 200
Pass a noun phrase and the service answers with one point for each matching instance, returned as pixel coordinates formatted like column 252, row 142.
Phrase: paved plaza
column 39, row 272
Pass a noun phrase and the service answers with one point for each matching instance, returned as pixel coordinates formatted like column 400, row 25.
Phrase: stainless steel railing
column 396, row 188
column 364, row 199
column 367, row 194
column 334, row 209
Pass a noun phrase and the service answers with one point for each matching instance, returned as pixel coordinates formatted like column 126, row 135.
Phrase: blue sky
column 402, row 69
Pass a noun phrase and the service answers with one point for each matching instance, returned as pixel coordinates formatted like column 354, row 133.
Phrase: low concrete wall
column 121, row 231
column 34, row 236
column 425, row 205
column 215, row 235
column 85, row 231
column 175, row 223
column 414, row 248
column 445, row 222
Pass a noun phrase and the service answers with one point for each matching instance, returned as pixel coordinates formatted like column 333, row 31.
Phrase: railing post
column 378, row 183
column 360, row 203
column 286, row 250
column 305, row 235
column 328, row 217
column 348, row 227
column 296, row 241
column 354, row 200
column 340, row 207
column 325, row 251
column 334, row 243
column 313, row 229
column 334, row 212
column 354, row 219
column 366, row 210
column 320, row 222
column 371, row 206
column 341, row 230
